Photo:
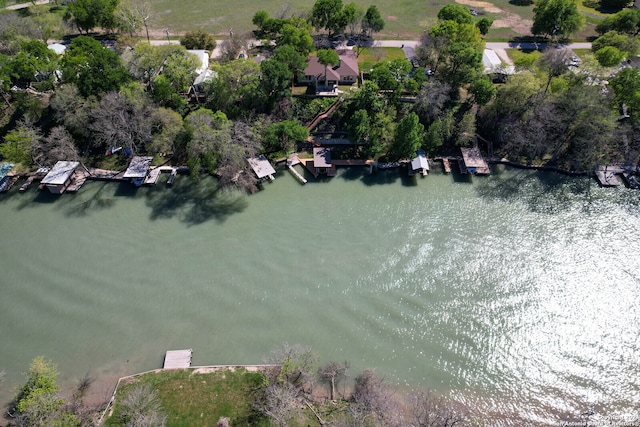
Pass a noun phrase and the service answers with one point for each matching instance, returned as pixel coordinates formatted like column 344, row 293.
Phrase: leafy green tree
column 93, row 68
column 457, row 13
column 275, row 82
column 484, row 24
column 367, row 98
column 391, row 75
column 327, row 57
column 297, row 34
column 556, row 18
column 609, row 56
column 88, row 14
column 623, row 42
column 37, row 403
column 167, row 131
column 359, row 126
column 372, row 21
column 35, row 61
column 611, row 5
column 408, row 136
column 236, row 87
column 207, row 133
column 289, row 56
column 353, row 15
column 18, row 144
column 327, row 14
column 625, row 21
column 282, row 136
column 482, row 90
column 626, row 89
column 198, row 39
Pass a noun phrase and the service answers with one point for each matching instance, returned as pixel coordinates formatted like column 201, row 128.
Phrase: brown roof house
column 345, row 73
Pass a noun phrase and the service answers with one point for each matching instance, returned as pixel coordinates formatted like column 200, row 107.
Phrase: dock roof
column 261, row 166
column 138, row 167
column 420, row 161
column 60, row 173
column 321, row 157
column 473, row 158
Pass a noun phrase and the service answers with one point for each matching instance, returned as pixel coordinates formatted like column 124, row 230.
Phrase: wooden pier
column 177, row 359
column 446, row 165
column 606, row 176
column 291, row 162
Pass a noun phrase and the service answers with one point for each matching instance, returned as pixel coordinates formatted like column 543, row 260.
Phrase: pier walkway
column 177, row 359
column 291, row 162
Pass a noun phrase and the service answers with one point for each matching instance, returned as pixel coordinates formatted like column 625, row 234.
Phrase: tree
column 236, row 88
column 88, row 14
column 623, row 42
column 556, row 18
column 58, row 145
column 408, row 136
column 131, row 15
column 391, row 75
column 353, row 15
column 275, row 82
column 93, row 68
column 626, row 21
column 34, row 62
column 333, row 373
column 372, row 399
column 72, row 110
column 456, row 13
column 372, row 21
column 328, row 14
column 295, row 364
column 482, row 90
column 626, row 89
column 282, row 136
column 18, row 144
column 296, row 33
column 280, row 403
column 167, row 131
column 609, row 56
column 141, row 407
column 429, row 410
column 198, row 39
column 484, row 24
column 37, row 402
column 208, row 133
column 327, row 57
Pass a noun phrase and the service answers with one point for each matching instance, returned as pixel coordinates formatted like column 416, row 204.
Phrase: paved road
column 24, row 5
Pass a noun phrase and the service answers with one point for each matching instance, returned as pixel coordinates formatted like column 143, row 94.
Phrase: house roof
column 58, row 48
column 5, row 168
column 203, row 56
column 261, row 166
column 321, row 157
column 420, row 161
column 347, row 66
column 138, row 167
column 60, row 173
column 490, row 59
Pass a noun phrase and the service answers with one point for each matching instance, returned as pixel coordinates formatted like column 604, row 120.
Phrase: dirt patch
column 392, row 18
column 488, row 7
column 515, row 22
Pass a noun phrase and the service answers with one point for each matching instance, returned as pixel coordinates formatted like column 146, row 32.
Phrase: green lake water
column 517, row 293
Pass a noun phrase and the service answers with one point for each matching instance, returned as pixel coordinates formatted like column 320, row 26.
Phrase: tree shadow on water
column 194, row 202
column 541, row 191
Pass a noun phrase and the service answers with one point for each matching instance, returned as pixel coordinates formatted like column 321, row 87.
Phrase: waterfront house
column 473, row 162
column 59, row 177
column 326, row 79
column 138, row 169
column 322, row 161
column 420, row 163
column 261, row 167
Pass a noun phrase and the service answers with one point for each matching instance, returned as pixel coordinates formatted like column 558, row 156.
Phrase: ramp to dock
column 177, row 359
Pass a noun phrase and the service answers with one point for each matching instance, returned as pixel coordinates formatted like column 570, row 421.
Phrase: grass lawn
column 370, row 56
column 194, row 400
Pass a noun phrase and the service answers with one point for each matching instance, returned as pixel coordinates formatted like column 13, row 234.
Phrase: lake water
column 517, row 293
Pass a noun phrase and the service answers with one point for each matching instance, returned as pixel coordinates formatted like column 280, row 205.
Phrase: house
column 138, row 169
column 59, row 177
column 322, row 161
column 261, row 167
column 326, row 79
column 204, row 74
column 5, row 168
column 420, row 163
column 473, row 162
column 493, row 65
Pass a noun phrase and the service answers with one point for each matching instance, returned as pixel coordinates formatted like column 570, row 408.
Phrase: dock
column 607, row 177
column 291, row 162
column 177, row 359
column 446, row 165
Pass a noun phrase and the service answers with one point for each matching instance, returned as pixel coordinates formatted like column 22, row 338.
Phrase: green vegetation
column 199, row 399
column 369, row 56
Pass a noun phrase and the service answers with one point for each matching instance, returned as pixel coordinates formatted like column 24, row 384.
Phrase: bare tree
column 373, row 402
column 429, row 410
column 141, row 407
column 58, row 145
column 134, row 14
column 554, row 61
column 232, row 46
column 296, row 365
column 279, row 402
column 333, row 373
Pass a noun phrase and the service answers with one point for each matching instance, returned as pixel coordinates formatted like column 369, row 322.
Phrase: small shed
column 420, row 163
column 261, row 167
column 322, row 160
column 59, row 177
column 5, row 168
column 473, row 162
column 138, row 169
column 58, row 48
